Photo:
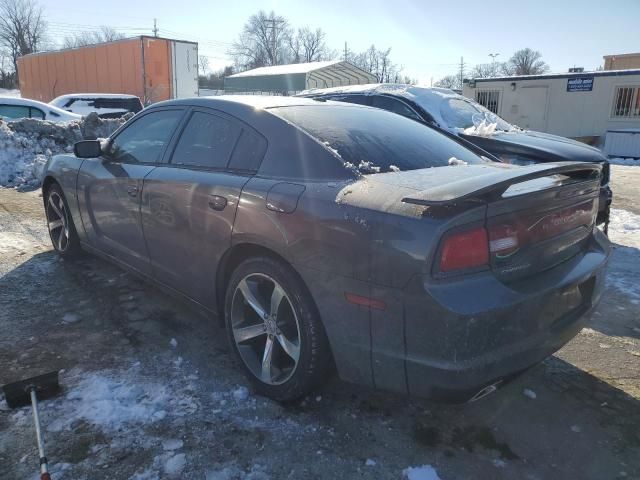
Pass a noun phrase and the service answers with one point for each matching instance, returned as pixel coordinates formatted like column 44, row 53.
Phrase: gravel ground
column 150, row 390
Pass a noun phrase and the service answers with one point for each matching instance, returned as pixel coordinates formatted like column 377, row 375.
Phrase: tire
column 296, row 320
column 62, row 230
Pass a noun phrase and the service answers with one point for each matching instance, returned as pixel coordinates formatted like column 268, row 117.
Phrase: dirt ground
column 151, row 391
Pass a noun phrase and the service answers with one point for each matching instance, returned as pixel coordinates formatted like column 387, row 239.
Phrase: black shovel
column 25, row 392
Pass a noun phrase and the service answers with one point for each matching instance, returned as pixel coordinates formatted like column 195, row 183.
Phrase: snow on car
column 106, row 105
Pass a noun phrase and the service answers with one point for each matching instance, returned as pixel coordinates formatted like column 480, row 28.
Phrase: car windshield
column 462, row 113
column 373, row 141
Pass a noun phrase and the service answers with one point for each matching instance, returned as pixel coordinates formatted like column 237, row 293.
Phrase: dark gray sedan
column 330, row 234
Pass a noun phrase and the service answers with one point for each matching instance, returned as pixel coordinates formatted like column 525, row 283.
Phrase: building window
column 490, row 99
column 626, row 102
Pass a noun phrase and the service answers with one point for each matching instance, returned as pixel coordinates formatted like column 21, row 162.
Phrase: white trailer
column 184, row 64
column 582, row 105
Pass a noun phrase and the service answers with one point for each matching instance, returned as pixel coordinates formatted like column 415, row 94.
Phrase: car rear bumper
column 463, row 336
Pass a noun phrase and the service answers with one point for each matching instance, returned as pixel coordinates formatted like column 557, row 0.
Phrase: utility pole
column 461, row 71
column 346, row 52
column 155, row 27
column 274, row 25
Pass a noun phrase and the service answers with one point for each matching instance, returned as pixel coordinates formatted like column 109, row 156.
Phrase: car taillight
column 465, row 250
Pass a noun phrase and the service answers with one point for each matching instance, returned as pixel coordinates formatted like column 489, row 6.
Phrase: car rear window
column 374, row 141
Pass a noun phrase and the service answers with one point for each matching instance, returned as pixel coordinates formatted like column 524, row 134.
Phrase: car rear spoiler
column 481, row 181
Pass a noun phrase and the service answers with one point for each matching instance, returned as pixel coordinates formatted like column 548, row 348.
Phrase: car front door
column 109, row 186
column 189, row 204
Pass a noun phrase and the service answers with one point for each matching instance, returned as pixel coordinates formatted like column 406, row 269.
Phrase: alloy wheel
column 57, row 222
column 265, row 328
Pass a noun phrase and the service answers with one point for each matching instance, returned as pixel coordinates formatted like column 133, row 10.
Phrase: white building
column 583, row 105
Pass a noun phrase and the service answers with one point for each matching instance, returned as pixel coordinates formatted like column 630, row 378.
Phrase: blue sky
column 427, row 38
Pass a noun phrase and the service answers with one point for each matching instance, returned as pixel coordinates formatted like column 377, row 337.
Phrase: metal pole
column 44, row 471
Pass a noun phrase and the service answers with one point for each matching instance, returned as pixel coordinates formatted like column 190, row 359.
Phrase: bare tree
column 22, row 28
column 203, row 65
column 526, row 62
column 103, row 34
column 314, row 47
column 264, row 40
column 486, row 70
column 449, row 81
column 378, row 63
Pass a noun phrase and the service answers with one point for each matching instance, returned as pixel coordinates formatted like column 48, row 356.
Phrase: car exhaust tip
column 488, row 390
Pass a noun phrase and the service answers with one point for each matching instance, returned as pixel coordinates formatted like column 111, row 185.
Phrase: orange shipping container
column 152, row 68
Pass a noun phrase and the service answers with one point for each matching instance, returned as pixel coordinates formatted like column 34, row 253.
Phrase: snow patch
column 174, row 465
column 370, row 462
column 173, row 343
column 425, row 472
column 256, row 472
column 172, row 444
column 483, row 129
column 529, row 393
column 456, row 161
column 240, row 394
column 111, row 404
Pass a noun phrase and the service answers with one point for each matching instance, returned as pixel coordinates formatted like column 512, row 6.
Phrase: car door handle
column 216, row 202
column 132, row 191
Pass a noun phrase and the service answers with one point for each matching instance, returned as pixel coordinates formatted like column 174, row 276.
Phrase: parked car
column 15, row 108
column 471, row 121
column 106, row 105
column 324, row 233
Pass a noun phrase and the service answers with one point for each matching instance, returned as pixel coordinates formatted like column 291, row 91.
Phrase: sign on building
column 580, row 84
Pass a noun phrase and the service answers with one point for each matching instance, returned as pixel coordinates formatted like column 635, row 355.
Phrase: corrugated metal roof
column 285, row 69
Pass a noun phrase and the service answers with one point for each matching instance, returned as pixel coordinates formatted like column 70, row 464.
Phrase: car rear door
column 109, row 187
column 189, row 204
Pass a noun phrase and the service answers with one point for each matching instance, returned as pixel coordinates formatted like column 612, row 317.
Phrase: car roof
column 96, row 95
column 255, row 101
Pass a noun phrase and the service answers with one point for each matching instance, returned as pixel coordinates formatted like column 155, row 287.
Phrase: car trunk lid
column 536, row 216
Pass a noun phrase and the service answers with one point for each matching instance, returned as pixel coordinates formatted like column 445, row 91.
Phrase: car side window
column 14, row 111
column 357, row 99
column 249, row 151
column 395, row 106
column 37, row 113
column 207, row 141
column 144, row 140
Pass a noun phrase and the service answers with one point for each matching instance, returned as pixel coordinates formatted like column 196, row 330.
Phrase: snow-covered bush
column 26, row 145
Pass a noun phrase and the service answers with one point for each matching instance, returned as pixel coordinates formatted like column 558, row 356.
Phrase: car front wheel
column 275, row 330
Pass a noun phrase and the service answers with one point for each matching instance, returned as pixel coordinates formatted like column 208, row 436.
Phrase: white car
column 106, row 105
column 15, row 108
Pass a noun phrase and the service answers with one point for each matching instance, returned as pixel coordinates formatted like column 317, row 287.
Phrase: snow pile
column 27, row 144
column 629, row 162
column 10, row 93
column 425, row 472
column 483, row 129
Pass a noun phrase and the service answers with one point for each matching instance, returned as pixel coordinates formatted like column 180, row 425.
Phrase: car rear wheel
column 275, row 330
column 60, row 224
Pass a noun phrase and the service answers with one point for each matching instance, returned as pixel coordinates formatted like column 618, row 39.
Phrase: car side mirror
column 87, row 149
